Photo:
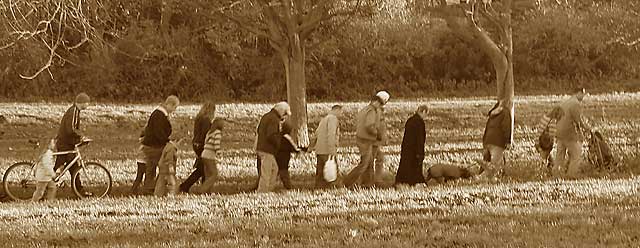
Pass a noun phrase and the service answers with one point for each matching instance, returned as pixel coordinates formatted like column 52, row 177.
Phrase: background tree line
column 203, row 54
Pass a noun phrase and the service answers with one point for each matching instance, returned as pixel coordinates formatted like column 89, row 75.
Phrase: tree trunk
column 503, row 65
column 296, row 90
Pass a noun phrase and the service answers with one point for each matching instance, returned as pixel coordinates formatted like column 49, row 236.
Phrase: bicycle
column 19, row 180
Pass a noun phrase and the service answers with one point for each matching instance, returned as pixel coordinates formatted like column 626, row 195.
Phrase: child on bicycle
column 45, row 175
column 211, row 155
column 166, row 183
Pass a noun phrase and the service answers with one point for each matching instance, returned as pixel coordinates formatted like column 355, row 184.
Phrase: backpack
column 599, row 153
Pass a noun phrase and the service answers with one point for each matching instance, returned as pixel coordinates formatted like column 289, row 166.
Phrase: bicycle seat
column 84, row 142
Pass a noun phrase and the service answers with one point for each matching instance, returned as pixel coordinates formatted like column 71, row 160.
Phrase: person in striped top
column 547, row 133
column 211, row 155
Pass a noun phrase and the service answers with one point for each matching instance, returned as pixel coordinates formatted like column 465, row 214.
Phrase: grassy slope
column 546, row 213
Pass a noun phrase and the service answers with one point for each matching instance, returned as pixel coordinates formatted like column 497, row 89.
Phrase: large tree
column 487, row 24
column 288, row 26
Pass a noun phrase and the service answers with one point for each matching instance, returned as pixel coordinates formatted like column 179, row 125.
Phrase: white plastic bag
column 330, row 172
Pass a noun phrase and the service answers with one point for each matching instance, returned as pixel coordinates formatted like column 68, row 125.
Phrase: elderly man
column 156, row 136
column 412, row 149
column 569, row 135
column 370, row 136
column 268, row 144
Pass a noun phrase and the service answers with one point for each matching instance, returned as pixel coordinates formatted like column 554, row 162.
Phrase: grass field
column 525, row 208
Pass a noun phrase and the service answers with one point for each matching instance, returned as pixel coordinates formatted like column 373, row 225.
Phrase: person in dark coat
column 268, row 144
column 201, row 126
column 283, row 155
column 496, row 139
column 412, row 149
column 156, row 136
column 69, row 135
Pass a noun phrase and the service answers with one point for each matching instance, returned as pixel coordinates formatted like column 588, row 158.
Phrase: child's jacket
column 168, row 160
column 44, row 168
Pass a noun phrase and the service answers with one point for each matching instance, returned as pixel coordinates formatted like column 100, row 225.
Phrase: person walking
column 547, row 129
column 496, row 139
column 69, row 135
column 141, row 166
column 202, row 124
column 166, row 183
column 327, row 139
column 156, row 136
column 412, row 149
column 268, row 143
column 44, row 175
column 211, row 156
column 569, row 135
column 370, row 136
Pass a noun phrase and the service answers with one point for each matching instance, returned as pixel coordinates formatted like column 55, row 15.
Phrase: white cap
column 384, row 96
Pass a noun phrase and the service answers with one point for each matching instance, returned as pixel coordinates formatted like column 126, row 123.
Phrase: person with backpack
column 569, row 135
column 547, row 129
column 496, row 139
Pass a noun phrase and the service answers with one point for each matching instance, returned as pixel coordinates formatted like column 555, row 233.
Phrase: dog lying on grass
column 443, row 173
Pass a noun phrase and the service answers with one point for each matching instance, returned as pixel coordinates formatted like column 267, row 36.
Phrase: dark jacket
column 269, row 133
column 412, row 152
column 68, row 133
column 157, row 131
column 498, row 129
column 200, row 128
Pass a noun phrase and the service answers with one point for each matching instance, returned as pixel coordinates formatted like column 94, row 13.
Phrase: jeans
column 152, row 155
column 370, row 169
column 211, row 173
column 572, row 150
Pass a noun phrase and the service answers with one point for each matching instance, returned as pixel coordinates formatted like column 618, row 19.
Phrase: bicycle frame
column 77, row 159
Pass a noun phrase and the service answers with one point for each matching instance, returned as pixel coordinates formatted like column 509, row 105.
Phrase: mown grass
column 525, row 209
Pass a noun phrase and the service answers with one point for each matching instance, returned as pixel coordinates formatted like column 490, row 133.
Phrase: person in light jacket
column 370, row 136
column 326, row 142
column 569, row 135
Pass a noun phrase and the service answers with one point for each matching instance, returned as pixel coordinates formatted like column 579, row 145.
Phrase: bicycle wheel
column 95, row 181
column 19, row 181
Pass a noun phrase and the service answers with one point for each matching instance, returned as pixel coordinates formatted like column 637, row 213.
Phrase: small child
column 166, row 183
column 45, row 175
column 211, row 155
column 283, row 155
column 141, row 168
